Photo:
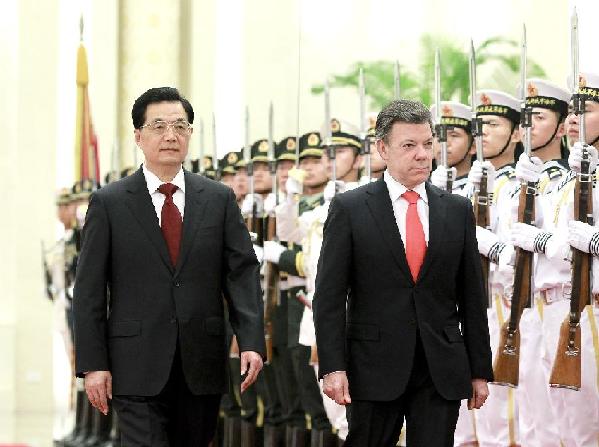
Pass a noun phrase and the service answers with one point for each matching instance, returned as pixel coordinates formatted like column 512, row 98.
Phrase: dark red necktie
column 415, row 241
column 170, row 221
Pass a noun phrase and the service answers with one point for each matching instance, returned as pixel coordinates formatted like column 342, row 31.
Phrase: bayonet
column 396, row 85
column 440, row 128
column 201, row 148
column 363, row 125
column 328, row 136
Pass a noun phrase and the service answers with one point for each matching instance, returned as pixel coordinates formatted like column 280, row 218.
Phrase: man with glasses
column 160, row 249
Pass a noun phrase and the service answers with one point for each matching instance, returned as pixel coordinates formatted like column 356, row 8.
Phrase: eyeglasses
column 159, row 127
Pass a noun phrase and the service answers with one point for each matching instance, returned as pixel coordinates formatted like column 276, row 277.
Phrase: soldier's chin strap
column 560, row 121
column 509, row 140
column 470, row 141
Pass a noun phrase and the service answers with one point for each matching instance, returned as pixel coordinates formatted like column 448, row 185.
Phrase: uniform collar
column 153, row 182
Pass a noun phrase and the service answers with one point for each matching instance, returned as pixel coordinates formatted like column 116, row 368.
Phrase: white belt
column 557, row 293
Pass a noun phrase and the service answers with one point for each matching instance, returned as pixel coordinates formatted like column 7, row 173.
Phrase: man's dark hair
column 401, row 111
column 154, row 95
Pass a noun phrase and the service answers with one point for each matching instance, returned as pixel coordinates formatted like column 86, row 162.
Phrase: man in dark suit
column 399, row 308
column 160, row 250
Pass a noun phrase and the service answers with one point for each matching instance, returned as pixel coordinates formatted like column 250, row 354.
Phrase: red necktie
column 415, row 242
column 171, row 222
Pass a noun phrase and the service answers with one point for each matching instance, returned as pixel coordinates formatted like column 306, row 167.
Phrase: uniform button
column 177, row 284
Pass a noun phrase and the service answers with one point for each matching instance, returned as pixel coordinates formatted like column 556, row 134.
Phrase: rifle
column 440, row 128
column 566, row 371
column 271, row 270
column 328, row 137
column 47, row 275
column 506, row 368
column 365, row 150
column 481, row 196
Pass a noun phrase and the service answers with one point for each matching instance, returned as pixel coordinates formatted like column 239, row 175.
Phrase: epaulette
column 571, row 175
column 507, row 170
column 460, row 182
column 555, row 168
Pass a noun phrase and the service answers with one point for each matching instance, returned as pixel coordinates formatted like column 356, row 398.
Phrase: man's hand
column 98, row 386
column 251, row 362
column 336, row 386
column 480, row 392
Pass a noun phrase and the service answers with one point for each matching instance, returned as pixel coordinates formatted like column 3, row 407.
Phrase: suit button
column 177, row 284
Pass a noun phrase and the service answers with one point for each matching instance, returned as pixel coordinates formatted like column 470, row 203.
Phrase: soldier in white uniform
column 545, row 167
column 460, row 145
column 496, row 424
column 577, row 411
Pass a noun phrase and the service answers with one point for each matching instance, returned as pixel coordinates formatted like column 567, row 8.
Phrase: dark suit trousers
column 430, row 419
column 173, row 418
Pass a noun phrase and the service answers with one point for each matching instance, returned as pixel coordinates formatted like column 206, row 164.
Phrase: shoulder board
column 571, row 175
column 507, row 170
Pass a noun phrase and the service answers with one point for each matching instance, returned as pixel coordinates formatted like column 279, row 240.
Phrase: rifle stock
column 481, row 214
column 271, row 285
column 567, row 367
column 506, row 367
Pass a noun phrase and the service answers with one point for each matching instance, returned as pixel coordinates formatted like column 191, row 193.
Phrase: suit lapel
column 142, row 208
column 380, row 206
column 194, row 211
column 436, row 218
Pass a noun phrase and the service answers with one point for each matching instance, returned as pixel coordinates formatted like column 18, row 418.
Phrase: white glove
column 80, row 213
column 295, row 181
column 476, row 173
column 273, row 251
column 529, row 169
column 365, row 180
column 439, row 176
column 259, row 252
column 332, row 189
column 583, row 236
column 575, row 158
column 486, row 239
column 247, row 206
column 529, row 237
column 270, row 203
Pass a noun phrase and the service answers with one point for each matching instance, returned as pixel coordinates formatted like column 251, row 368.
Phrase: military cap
column 344, row 134
column 544, row 94
column 63, row 196
column 453, row 114
column 127, row 172
column 208, row 168
column 285, row 149
column 310, row 145
column 588, row 84
column 494, row 102
column 111, row 176
column 227, row 163
column 83, row 189
column 241, row 161
column 371, row 125
column 259, row 151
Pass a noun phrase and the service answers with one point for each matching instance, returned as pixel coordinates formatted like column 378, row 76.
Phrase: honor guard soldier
column 304, row 189
column 227, row 169
column 241, row 179
column 558, row 268
column 345, row 145
column 377, row 164
column 460, row 145
column 496, row 423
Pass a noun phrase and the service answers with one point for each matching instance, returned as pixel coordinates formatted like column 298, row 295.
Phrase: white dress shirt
column 153, row 182
column 400, row 205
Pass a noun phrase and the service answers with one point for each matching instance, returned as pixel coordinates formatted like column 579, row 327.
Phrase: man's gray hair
column 401, row 111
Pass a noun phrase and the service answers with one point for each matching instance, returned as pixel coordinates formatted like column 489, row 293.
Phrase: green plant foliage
column 498, row 65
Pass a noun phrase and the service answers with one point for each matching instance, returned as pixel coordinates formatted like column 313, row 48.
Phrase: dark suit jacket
column 131, row 305
column 363, row 265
